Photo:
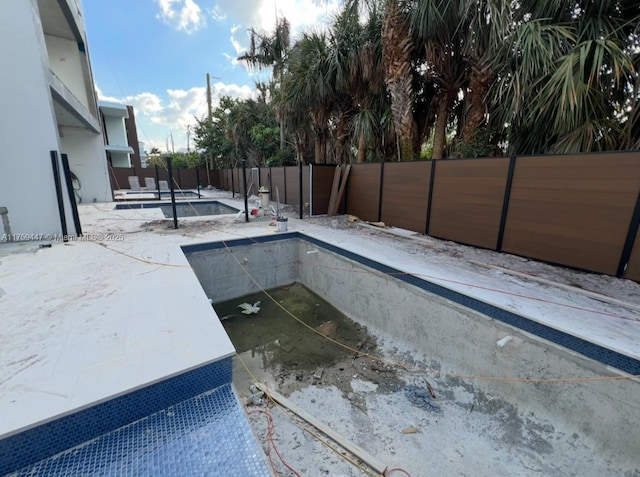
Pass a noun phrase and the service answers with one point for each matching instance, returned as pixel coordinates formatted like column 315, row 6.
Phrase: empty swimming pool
column 557, row 396
column 185, row 209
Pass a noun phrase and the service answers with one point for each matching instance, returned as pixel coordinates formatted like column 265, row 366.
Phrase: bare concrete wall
column 461, row 341
column 223, row 272
column 464, row 342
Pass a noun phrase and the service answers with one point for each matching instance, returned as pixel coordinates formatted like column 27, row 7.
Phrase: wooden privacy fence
column 282, row 181
column 581, row 211
column 184, row 178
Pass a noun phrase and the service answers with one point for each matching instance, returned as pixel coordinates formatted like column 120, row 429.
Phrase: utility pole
column 209, row 112
column 208, row 158
column 188, row 135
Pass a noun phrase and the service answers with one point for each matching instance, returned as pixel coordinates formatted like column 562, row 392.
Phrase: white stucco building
column 47, row 103
column 117, row 144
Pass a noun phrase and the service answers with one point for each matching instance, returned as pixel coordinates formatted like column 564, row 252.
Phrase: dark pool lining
column 590, row 350
column 156, row 205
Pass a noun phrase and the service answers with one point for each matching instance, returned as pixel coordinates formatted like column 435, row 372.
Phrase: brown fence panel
column 119, row 177
column 237, row 181
column 228, row 179
column 405, row 194
column 188, row 178
column 224, row 178
column 363, row 191
column 278, row 181
column 468, row 195
column 573, row 210
column 240, row 185
column 292, row 177
column 633, row 268
column 322, row 177
column 214, row 178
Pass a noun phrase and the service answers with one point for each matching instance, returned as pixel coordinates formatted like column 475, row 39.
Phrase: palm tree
column 309, row 86
column 441, row 32
column 485, row 24
column 566, row 76
column 397, row 50
column 356, row 44
column 270, row 51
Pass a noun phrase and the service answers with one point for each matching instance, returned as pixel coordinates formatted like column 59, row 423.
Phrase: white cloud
column 157, row 117
column 181, row 14
column 145, row 103
column 103, row 97
column 232, row 59
column 261, row 15
column 217, row 14
column 236, row 46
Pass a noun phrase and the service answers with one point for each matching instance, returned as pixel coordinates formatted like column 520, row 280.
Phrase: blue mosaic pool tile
column 205, row 435
column 43, row 441
column 590, row 350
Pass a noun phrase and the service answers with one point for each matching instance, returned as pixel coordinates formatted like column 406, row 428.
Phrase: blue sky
column 154, row 54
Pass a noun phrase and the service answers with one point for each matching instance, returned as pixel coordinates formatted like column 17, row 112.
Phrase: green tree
column 467, row 78
column 363, row 106
column 309, row 85
column 210, row 136
column 567, row 76
column 179, row 160
column 270, row 50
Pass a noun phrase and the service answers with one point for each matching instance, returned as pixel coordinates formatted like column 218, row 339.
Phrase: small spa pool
column 164, row 193
column 185, row 209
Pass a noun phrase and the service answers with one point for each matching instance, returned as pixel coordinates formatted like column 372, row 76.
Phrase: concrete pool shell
column 544, row 371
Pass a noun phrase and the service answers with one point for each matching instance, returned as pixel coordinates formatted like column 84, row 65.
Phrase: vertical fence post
column 72, row 196
column 244, row 187
column 505, row 202
column 173, row 194
column 56, row 179
column 430, row 198
column 158, row 182
column 284, row 173
column 179, row 179
column 630, row 241
column 380, row 195
column 310, row 190
column 233, row 184
column 198, row 181
column 301, row 198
